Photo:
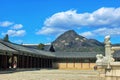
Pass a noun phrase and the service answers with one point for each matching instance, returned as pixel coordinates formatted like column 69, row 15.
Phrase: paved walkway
column 51, row 75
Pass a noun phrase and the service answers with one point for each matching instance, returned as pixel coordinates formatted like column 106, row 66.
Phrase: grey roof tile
column 27, row 50
column 5, row 48
column 76, row 54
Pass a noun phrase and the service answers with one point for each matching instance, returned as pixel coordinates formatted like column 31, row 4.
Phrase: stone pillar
column 107, row 48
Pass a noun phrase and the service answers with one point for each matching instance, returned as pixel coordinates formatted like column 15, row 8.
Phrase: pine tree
column 6, row 38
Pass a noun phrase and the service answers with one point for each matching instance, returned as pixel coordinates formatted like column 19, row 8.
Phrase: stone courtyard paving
column 45, row 74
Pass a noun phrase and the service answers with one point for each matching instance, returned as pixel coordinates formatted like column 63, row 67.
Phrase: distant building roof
column 76, row 54
column 5, row 48
column 35, row 46
column 30, row 44
column 49, row 48
column 117, row 54
column 27, row 50
column 12, row 47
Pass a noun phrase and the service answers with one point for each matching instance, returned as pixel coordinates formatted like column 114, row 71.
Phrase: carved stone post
column 108, row 48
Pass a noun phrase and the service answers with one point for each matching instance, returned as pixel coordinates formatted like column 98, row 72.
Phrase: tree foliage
column 41, row 46
column 6, row 38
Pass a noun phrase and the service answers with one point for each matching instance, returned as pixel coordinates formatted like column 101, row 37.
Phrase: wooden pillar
column 27, row 61
column 48, row 63
column 89, row 63
column 23, row 61
column 74, row 62
column 40, row 62
column 30, row 61
column 81, row 63
column 0, row 62
column 33, row 62
column 45, row 62
column 18, row 61
column 5, row 61
column 51, row 63
column 37, row 62
column 66, row 63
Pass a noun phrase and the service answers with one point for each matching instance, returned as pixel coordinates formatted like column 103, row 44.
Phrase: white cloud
column 87, row 34
column 17, row 26
column 15, row 33
column 102, row 32
column 6, row 23
column 49, row 31
column 12, row 29
column 103, row 17
column 107, row 31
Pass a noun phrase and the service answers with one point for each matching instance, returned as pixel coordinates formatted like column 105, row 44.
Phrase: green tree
column 6, row 38
column 41, row 46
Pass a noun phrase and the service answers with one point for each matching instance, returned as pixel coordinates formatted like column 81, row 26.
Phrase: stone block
column 70, row 65
column 109, row 78
column 114, row 78
column 85, row 65
column 109, row 73
column 117, row 73
column 78, row 65
column 117, row 78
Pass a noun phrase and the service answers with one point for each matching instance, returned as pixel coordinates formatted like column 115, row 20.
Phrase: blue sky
column 42, row 21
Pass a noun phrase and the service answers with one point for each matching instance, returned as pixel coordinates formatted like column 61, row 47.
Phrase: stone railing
column 107, row 66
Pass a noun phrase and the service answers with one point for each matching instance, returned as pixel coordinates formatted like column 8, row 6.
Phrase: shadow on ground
column 9, row 71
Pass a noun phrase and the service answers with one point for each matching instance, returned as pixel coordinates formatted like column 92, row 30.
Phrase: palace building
column 18, row 56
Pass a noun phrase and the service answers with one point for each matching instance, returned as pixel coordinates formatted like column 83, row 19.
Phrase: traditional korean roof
column 26, row 50
column 47, row 47
column 5, row 48
column 117, row 54
column 20, row 49
column 76, row 54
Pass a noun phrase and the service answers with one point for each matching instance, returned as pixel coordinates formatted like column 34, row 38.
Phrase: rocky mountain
column 71, row 41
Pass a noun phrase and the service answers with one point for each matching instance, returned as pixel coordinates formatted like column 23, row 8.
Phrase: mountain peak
column 70, row 31
column 71, row 41
column 69, row 35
